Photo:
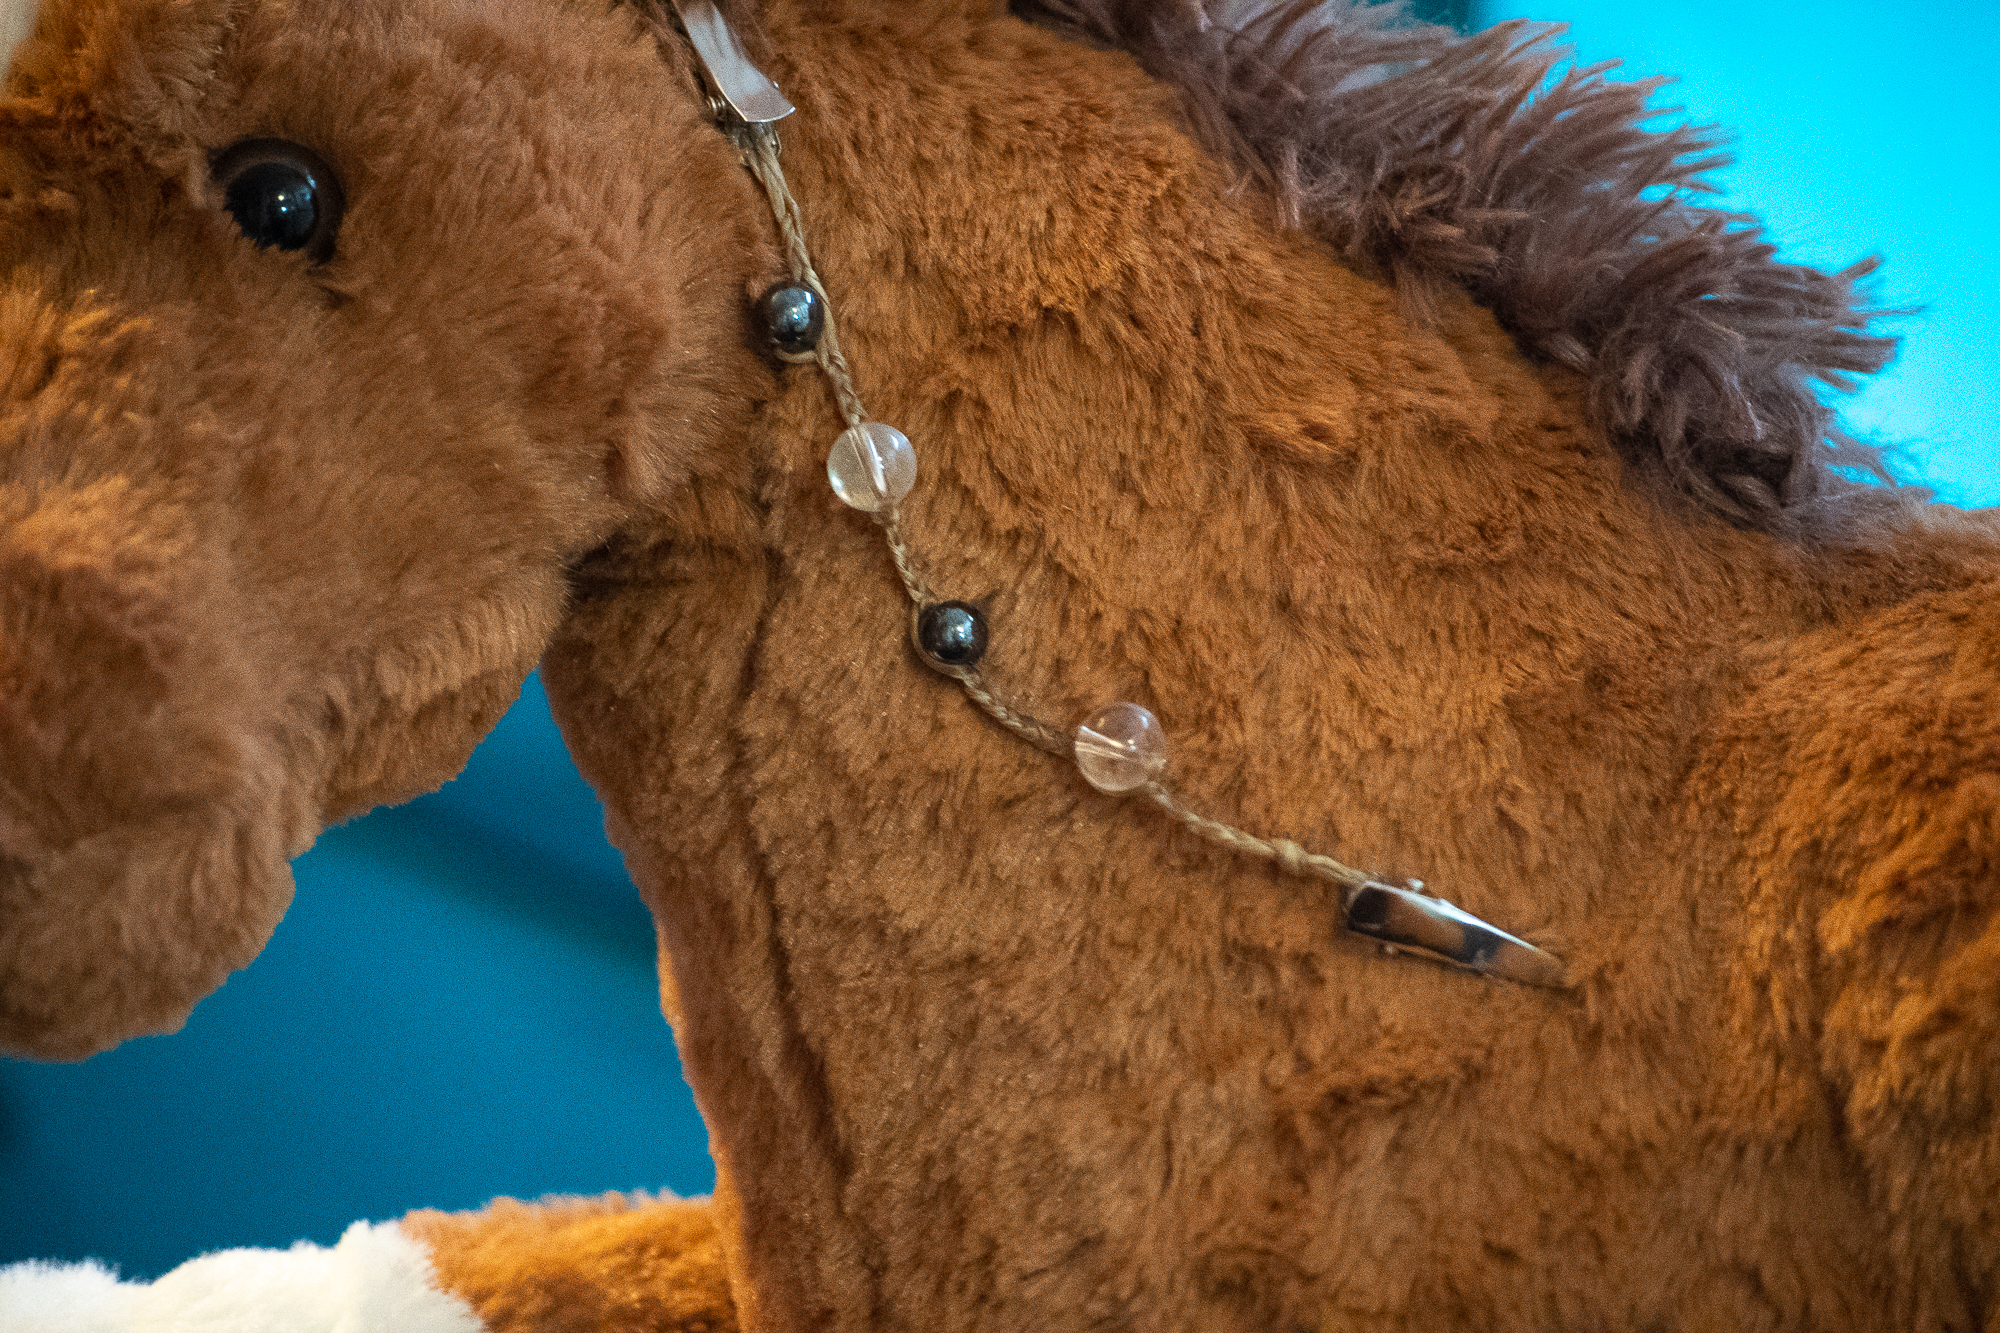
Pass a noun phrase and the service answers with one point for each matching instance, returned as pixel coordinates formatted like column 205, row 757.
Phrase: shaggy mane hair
column 1428, row 157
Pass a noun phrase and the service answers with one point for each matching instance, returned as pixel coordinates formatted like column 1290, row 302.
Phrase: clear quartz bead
column 872, row 466
column 1120, row 747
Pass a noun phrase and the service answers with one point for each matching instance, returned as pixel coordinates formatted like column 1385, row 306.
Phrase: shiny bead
column 951, row 634
column 872, row 466
column 1120, row 747
column 795, row 316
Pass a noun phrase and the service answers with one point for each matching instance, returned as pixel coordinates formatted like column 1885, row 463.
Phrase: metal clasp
column 746, row 90
column 1410, row 919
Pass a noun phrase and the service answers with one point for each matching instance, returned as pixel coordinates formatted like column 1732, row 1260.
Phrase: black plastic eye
column 281, row 195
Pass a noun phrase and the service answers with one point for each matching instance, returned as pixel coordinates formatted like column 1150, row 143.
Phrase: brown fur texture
column 611, row 1264
column 218, row 635
column 980, row 1047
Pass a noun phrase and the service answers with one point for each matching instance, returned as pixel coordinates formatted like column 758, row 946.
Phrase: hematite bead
column 951, row 634
column 795, row 316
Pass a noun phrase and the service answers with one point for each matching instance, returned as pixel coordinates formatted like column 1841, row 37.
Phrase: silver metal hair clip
column 746, row 90
column 1412, row 919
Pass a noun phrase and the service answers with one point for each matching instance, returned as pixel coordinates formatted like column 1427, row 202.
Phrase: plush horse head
column 320, row 531
column 1380, row 415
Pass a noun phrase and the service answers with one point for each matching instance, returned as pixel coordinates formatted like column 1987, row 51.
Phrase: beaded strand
column 1120, row 747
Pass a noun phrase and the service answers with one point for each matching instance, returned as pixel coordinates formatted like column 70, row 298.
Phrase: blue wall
column 462, row 1003
column 1858, row 129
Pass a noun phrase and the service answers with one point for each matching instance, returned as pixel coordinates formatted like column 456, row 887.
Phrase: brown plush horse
column 1450, row 488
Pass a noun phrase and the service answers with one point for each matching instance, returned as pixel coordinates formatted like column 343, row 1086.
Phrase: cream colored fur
column 376, row 1280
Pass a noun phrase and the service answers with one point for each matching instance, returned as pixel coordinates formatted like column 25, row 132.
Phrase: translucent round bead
column 871, row 466
column 1120, row 747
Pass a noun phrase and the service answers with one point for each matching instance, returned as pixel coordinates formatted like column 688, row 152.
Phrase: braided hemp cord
column 1284, row 851
column 760, row 146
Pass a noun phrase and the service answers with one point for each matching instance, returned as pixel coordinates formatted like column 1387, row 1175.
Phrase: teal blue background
column 462, row 1001
column 1858, row 129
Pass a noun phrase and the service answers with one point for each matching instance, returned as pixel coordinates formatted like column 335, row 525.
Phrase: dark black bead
column 794, row 315
column 951, row 634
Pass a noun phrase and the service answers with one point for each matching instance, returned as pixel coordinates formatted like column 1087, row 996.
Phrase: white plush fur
column 17, row 20
column 376, row 1280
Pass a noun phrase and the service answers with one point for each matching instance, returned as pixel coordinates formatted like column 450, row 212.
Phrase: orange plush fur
column 978, row 1046
column 602, row 1265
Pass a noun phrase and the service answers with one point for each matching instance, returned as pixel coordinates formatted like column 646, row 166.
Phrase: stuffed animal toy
column 1277, row 456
